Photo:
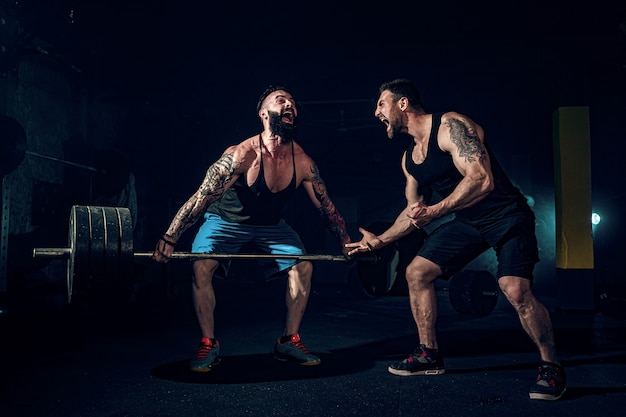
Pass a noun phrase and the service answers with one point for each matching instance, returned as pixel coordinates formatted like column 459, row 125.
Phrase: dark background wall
column 169, row 84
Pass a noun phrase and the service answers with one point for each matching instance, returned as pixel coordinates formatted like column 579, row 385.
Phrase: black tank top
column 437, row 177
column 256, row 204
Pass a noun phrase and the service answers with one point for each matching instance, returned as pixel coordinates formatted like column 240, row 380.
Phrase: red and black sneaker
column 422, row 361
column 550, row 384
column 293, row 350
column 207, row 355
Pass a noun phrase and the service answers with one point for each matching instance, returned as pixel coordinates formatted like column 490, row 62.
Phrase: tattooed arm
column 219, row 177
column 463, row 139
column 316, row 189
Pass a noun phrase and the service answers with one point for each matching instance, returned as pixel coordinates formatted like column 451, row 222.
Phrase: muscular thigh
column 516, row 248
column 453, row 245
column 280, row 239
column 216, row 235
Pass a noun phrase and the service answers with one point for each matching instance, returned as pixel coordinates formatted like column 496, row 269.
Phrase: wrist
column 168, row 240
column 379, row 242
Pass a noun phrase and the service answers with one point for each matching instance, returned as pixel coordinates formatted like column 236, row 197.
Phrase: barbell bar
column 65, row 252
column 100, row 246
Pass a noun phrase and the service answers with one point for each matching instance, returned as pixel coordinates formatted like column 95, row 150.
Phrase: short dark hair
column 402, row 87
column 269, row 90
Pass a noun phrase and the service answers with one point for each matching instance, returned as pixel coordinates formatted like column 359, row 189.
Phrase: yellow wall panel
column 572, row 157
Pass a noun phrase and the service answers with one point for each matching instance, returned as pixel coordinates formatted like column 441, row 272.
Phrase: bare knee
column 302, row 271
column 421, row 271
column 517, row 290
column 299, row 282
column 203, row 271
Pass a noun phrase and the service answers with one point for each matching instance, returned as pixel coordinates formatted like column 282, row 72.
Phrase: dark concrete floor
column 114, row 359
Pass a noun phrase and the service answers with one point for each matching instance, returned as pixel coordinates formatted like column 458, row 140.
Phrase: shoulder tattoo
column 467, row 141
column 218, row 175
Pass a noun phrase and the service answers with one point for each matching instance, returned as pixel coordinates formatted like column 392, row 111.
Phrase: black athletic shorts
column 454, row 244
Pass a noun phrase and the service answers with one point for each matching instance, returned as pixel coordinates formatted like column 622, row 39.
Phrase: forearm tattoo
column 333, row 219
column 213, row 186
column 467, row 141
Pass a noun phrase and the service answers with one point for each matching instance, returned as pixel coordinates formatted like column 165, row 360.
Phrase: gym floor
column 113, row 358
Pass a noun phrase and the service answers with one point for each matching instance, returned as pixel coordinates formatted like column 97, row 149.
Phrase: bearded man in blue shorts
column 241, row 199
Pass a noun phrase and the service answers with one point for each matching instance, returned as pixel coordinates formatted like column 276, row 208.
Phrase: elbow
column 488, row 185
column 485, row 184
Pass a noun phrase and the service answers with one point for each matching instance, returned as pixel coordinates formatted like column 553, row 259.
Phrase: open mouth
column 287, row 117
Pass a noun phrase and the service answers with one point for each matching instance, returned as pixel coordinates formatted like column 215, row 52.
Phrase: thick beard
column 286, row 131
column 395, row 127
column 395, row 130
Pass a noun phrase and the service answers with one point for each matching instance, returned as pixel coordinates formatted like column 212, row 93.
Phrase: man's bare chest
column 277, row 173
column 420, row 152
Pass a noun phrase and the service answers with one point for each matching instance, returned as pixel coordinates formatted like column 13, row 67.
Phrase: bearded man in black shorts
column 450, row 169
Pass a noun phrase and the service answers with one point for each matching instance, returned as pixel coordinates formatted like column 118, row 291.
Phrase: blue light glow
column 595, row 219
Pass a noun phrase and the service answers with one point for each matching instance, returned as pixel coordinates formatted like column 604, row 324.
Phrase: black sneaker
column 207, row 355
column 550, row 383
column 422, row 361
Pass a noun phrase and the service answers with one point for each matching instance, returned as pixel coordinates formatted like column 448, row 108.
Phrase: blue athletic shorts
column 217, row 235
column 453, row 244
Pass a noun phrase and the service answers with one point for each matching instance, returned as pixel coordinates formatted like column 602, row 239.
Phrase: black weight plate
column 126, row 249
column 78, row 242
column 407, row 247
column 97, row 249
column 379, row 277
column 111, row 244
column 473, row 292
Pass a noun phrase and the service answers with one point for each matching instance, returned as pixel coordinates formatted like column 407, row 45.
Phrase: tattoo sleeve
column 467, row 141
column 331, row 216
column 212, row 188
column 217, row 176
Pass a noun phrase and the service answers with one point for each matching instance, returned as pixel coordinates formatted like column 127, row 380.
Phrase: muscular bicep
column 463, row 139
column 219, row 176
column 315, row 186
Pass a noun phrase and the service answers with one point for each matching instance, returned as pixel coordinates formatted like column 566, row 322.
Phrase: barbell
column 100, row 243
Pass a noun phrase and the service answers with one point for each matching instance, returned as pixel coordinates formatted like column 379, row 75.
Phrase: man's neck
column 419, row 126
column 271, row 142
